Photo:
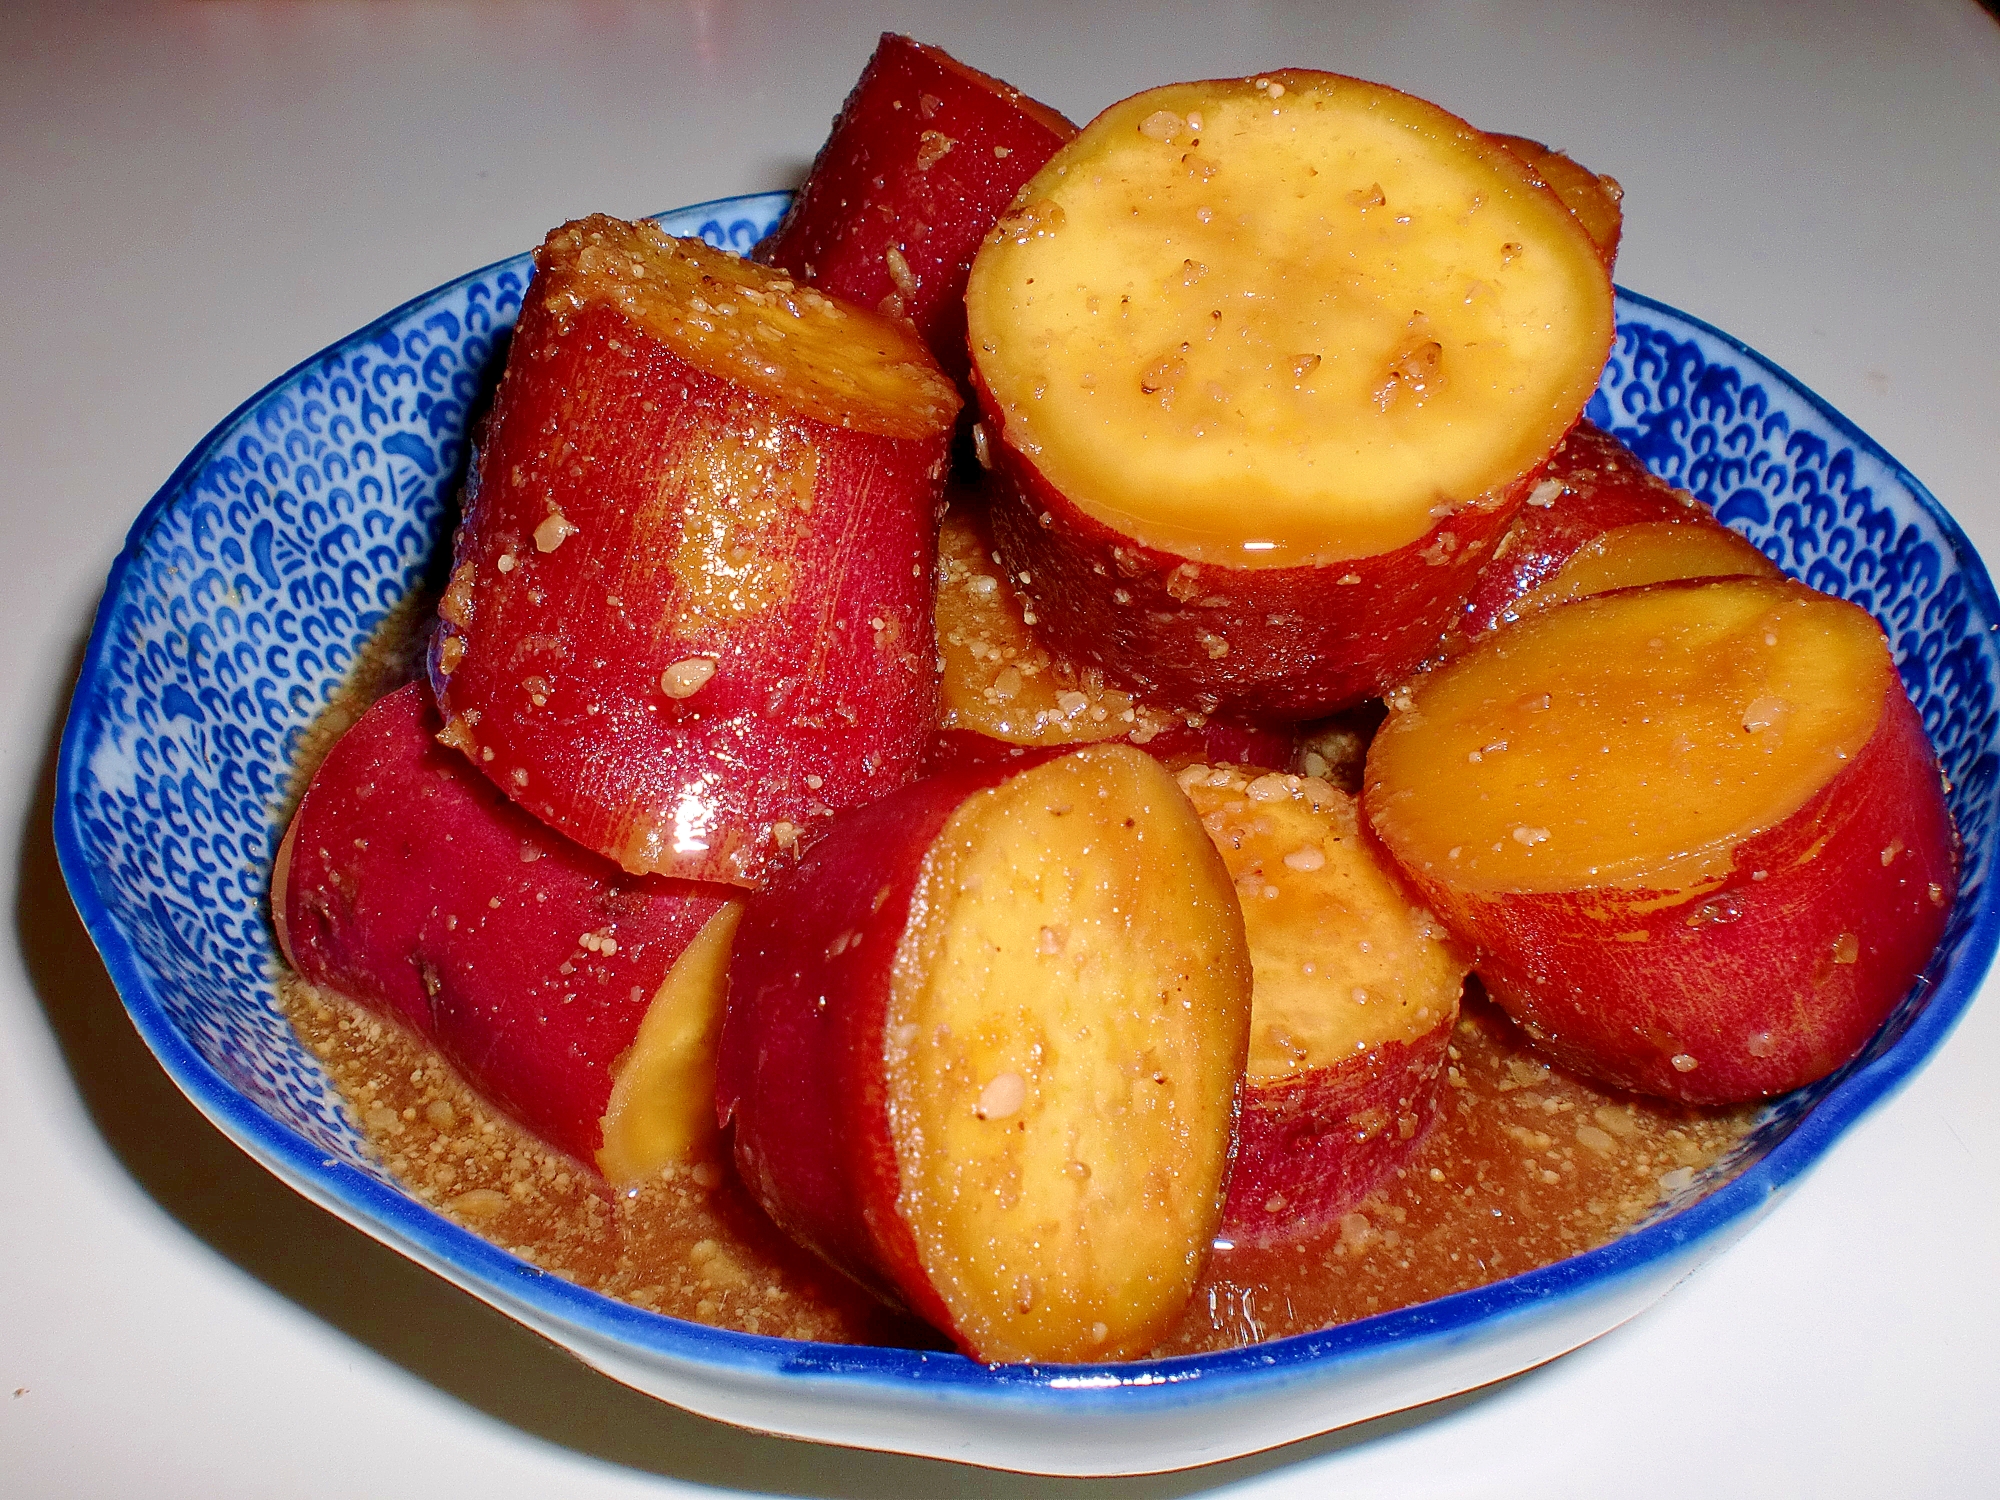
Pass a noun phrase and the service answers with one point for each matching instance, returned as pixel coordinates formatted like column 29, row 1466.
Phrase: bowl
column 252, row 578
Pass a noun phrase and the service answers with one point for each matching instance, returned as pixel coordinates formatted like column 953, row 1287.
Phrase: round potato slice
column 984, row 1050
column 1269, row 321
column 1264, row 369
column 1694, row 830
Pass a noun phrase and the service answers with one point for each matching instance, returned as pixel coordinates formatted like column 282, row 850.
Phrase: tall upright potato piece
column 924, row 157
column 689, row 614
column 1597, row 519
column 1264, row 369
column 580, row 1000
column 1693, row 831
column 1353, row 1005
column 983, row 1051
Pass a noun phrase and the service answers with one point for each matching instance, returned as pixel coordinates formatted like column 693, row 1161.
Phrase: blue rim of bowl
column 905, row 1374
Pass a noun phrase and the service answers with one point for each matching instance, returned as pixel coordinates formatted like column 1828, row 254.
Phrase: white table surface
column 196, row 196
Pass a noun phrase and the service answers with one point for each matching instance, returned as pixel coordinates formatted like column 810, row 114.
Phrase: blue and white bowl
column 260, row 568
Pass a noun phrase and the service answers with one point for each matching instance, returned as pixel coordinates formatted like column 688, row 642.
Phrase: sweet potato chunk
column 662, row 1103
column 1263, row 367
column 925, row 155
column 539, row 970
column 689, row 613
column 983, row 1052
column 1355, row 996
column 1694, row 830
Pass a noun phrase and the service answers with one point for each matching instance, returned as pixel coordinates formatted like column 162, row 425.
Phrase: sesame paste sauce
column 1524, row 1166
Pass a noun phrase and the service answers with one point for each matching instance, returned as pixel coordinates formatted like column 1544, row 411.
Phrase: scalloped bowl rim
column 550, row 1303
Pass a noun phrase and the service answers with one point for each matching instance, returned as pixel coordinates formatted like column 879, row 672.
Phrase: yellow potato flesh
column 1648, row 552
column 998, row 679
column 662, row 1105
column 1067, row 1022
column 1628, row 740
column 752, row 325
column 1344, row 960
column 1278, row 325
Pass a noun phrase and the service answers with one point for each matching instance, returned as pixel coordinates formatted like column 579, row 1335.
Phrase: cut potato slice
column 689, row 611
column 1596, row 199
column 1629, row 740
column 737, row 321
column 997, row 678
column 1288, row 320
column 409, row 884
column 1597, row 519
column 1694, row 830
column 984, row 1047
column 1356, row 992
column 1649, row 552
column 662, row 1104
column 1064, row 1041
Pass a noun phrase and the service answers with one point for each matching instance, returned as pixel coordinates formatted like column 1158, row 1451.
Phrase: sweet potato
column 1001, row 688
column 689, row 613
column 1354, row 998
column 1264, row 367
column 924, row 156
column 1597, row 519
column 1693, row 831
column 983, row 1050
column 556, row 983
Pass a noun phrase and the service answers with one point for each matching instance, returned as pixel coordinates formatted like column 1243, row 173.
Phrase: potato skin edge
column 1299, row 641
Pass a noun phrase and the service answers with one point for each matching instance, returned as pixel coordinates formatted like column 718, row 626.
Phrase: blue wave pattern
column 270, row 558
column 1828, row 508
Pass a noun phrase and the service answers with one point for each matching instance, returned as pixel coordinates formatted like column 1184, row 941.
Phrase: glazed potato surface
column 984, row 1047
column 1353, row 1002
column 1627, row 740
column 408, row 883
column 1693, row 832
column 1066, row 1033
column 689, row 612
column 1286, row 320
column 723, row 314
column 924, row 157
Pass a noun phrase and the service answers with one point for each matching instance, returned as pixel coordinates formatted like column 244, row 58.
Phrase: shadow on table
column 430, row 1328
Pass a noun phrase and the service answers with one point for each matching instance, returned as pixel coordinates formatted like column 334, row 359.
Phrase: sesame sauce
column 1525, row 1166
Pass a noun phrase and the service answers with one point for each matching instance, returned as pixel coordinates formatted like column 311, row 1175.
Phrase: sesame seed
column 687, row 677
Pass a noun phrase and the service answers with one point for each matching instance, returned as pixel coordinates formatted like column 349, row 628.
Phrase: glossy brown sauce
column 1526, row 1166
column 690, row 1244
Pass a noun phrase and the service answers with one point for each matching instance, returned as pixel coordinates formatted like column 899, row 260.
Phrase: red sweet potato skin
column 1763, row 984
column 1259, row 643
column 1604, row 486
column 412, row 886
column 1309, row 1148
column 708, row 524
column 924, row 157
column 800, row 1066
